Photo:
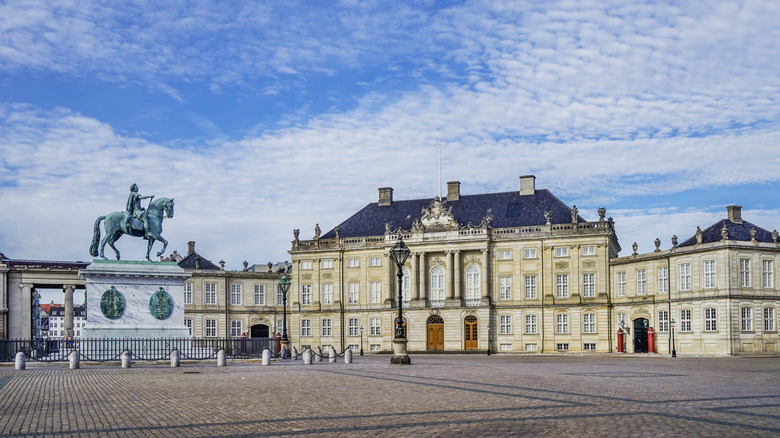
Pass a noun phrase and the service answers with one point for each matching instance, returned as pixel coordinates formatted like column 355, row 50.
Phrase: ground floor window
column 235, row 328
column 562, row 347
column 530, row 347
column 373, row 347
column 589, row 346
column 663, row 321
column 354, row 347
column 505, row 347
column 769, row 319
column 211, row 328
column 188, row 324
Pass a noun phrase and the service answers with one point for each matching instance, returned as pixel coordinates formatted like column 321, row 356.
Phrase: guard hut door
column 640, row 335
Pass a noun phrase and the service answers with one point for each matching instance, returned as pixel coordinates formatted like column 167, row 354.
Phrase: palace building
column 523, row 272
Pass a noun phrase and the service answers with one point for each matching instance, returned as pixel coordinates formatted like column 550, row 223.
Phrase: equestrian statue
column 134, row 221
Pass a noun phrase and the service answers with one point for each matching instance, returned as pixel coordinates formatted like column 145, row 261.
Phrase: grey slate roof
column 189, row 262
column 739, row 232
column 509, row 209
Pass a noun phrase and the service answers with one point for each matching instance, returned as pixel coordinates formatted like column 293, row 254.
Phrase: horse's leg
column 149, row 247
column 165, row 245
column 103, row 246
column 114, row 238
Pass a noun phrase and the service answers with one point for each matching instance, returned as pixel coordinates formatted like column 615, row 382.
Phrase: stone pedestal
column 130, row 299
column 400, row 355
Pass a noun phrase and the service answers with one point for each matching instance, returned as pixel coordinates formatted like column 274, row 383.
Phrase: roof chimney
column 735, row 213
column 385, row 196
column 190, row 247
column 453, row 190
column 527, row 185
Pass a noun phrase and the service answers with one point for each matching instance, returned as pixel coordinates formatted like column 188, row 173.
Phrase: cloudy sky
column 261, row 117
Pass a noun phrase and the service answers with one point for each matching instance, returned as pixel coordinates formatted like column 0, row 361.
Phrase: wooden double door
column 470, row 332
column 435, row 333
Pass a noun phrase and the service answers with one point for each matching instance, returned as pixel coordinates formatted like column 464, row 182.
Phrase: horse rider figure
column 134, row 208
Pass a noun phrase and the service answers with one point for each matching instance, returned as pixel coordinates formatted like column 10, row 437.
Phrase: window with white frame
column 589, row 323
column 663, row 280
column 188, row 324
column 562, row 323
column 685, row 320
column 562, row 251
column 353, row 263
column 529, row 253
column 354, row 347
column 327, row 293
column 472, row 283
column 621, row 319
column 375, row 291
column 747, row 319
column 211, row 293
column 374, row 347
column 187, row 293
column 505, row 325
column 326, row 264
column 530, row 324
column 305, row 294
column 530, row 347
column 354, row 327
column 710, row 319
column 744, row 272
column 306, row 265
column 530, row 287
column 406, row 287
column 621, row 284
column 504, row 347
column 375, row 329
column 562, row 346
column 211, row 328
column 353, row 293
column 588, row 250
column 685, row 276
column 327, row 327
column 279, row 297
column 375, row 261
column 562, row 286
column 641, row 282
column 767, row 273
column 505, row 288
column 305, row 327
column 589, row 346
column 235, row 328
column 588, row 285
column 235, row 294
column 259, row 295
column 437, row 284
column 709, row 273
column 663, row 321
column 505, row 255
column 769, row 319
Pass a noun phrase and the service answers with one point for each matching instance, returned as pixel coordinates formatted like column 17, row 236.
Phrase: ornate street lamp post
column 674, row 348
column 400, row 253
column 284, row 286
column 361, row 340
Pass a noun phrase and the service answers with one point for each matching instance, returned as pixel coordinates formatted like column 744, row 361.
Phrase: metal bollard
column 348, row 356
column 266, row 357
column 318, row 355
column 221, row 358
column 307, row 356
column 175, row 358
column 75, row 361
column 332, row 355
column 127, row 359
column 295, row 354
column 20, row 361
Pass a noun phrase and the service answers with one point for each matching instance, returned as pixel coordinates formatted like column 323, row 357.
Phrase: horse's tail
column 93, row 249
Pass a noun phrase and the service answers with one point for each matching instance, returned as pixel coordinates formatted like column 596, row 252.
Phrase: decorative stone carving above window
column 327, row 276
column 589, row 264
column 437, row 262
column 472, row 261
column 306, row 276
column 561, row 265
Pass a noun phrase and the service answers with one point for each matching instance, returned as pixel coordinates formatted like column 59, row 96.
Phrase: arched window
column 437, row 285
column 472, row 285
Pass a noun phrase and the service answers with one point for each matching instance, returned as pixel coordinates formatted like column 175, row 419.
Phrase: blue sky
column 261, row 117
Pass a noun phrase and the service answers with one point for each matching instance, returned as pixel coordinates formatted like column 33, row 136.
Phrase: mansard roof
column 509, row 209
column 189, row 262
column 739, row 231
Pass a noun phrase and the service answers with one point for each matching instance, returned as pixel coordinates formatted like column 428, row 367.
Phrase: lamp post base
column 400, row 356
column 285, row 343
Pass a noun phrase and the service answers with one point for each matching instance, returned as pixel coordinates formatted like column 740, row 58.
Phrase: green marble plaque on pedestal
column 161, row 304
column 112, row 303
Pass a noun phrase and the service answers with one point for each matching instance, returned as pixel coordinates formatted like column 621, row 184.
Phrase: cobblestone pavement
column 438, row 395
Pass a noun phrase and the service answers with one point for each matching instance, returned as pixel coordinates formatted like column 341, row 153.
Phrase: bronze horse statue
column 116, row 224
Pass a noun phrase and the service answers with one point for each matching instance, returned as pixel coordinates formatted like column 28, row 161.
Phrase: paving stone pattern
column 439, row 395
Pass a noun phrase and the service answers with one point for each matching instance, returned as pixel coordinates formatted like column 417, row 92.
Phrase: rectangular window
column 327, row 327
column 504, row 347
column 747, row 319
column 235, row 328
column 505, row 255
column 211, row 328
column 530, row 347
column 621, row 319
column 353, row 263
column 373, row 347
column 685, row 320
column 211, row 293
column 187, row 293
column 327, row 293
column 685, row 276
column 589, row 346
column 505, row 288
column 354, row 347
column 589, row 323
column 505, row 325
column 562, row 347
column 353, row 293
column 744, row 272
column 769, row 319
column 663, row 321
column 710, row 319
column 641, row 282
column 306, row 264
column 588, row 285
column 562, row 286
column 529, row 253
column 621, row 284
column 235, row 294
column 374, row 327
column 562, row 323
column 354, row 327
column 188, row 324
column 767, row 274
column 375, row 289
column 305, row 294
column 279, row 298
column 562, row 251
column 305, row 327
column 374, row 261
column 326, row 264
column 259, row 295
column 709, row 273
column 530, row 324
column 663, row 280
column 530, row 287
column 588, row 250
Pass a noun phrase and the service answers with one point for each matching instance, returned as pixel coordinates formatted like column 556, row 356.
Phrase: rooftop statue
column 134, row 221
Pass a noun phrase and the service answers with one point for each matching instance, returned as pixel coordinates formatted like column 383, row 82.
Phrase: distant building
column 57, row 326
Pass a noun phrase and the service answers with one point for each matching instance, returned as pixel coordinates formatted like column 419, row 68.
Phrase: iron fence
column 104, row 350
